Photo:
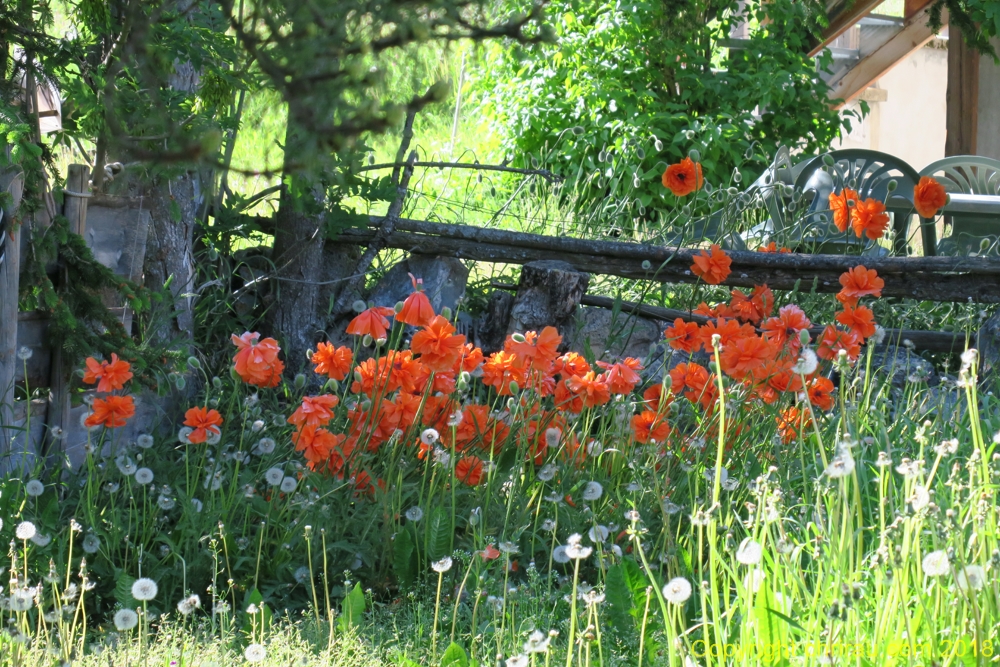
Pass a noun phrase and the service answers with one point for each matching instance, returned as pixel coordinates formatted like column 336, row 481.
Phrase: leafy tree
column 630, row 86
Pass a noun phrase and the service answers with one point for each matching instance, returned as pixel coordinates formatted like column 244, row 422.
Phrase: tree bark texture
column 10, row 181
column 547, row 295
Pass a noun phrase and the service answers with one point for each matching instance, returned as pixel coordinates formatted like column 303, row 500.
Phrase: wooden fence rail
column 957, row 279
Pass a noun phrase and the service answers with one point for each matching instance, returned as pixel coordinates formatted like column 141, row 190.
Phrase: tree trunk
column 11, row 181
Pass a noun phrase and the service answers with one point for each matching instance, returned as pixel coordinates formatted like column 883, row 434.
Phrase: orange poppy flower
column 538, row 350
column 858, row 282
column 784, row 329
column 417, row 309
column 566, row 400
column 571, row 363
column 438, row 346
column 859, row 319
column 499, row 371
column 841, row 208
column 205, row 422
column 683, row 336
column 821, row 393
column 833, row 340
column 489, row 553
column 683, row 178
column 111, row 412
column 108, row 376
column 469, row 470
column 372, row 322
column 728, row 330
column 648, row 425
column 791, row 422
column 472, row 358
column 773, row 247
column 594, row 390
column 655, row 399
column 622, row 377
column 256, row 362
column 928, row 197
column 316, row 444
column 746, row 355
column 868, row 217
column 334, row 362
column 315, row 410
column 712, row 266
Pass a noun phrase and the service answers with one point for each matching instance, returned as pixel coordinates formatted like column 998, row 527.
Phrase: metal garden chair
column 973, row 212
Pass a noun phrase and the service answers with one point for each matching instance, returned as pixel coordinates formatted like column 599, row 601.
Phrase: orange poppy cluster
column 111, row 411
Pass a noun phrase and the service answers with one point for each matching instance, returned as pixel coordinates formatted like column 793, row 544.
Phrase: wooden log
column 57, row 417
column 547, row 294
column 976, row 281
column 742, row 259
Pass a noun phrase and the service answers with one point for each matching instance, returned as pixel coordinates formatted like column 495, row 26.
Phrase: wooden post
column 12, row 182
column 962, row 97
column 58, row 414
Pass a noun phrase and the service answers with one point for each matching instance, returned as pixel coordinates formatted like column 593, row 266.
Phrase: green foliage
column 632, row 87
column 978, row 21
column 439, row 533
column 352, row 610
column 454, row 656
column 404, row 561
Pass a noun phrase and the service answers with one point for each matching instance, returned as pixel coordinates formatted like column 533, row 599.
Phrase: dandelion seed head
column 25, row 530
column 143, row 476
column 288, row 484
column 936, row 564
column 144, row 441
column 677, row 590
column 273, row 476
column 592, row 491
column 255, row 653
column 126, row 619
column 442, row 566
column 971, row 577
column 547, row 472
column 749, row 552
column 144, row 589
column 414, row 513
column 91, row 544
column 34, row 488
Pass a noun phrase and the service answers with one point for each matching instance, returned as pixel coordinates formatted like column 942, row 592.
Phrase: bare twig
column 544, row 173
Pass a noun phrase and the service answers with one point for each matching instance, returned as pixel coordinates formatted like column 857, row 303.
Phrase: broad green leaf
column 454, row 656
column 403, row 558
column 353, row 609
column 619, row 600
column 439, row 534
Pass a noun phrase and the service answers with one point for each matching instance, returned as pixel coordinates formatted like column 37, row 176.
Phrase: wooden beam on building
column 913, row 35
column 841, row 16
column 962, row 119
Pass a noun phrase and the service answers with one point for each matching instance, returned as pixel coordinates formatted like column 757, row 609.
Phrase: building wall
column 910, row 123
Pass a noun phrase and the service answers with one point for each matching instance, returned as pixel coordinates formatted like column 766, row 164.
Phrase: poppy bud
column 446, row 313
column 332, row 386
column 194, row 363
column 513, row 387
column 510, row 402
column 357, row 375
column 465, row 376
column 578, row 130
column 180, row 382
column 300, row 381
column 358, row 306
column 804, row 336
column 646, row 265
column 641, row 154
column 737, row 176
column 635, row 181
column 398, row 307
column 828, row 160
column 892, row 185
column 217, row 383
column 667, row 382
column 366, row 341
column 233, row 374
column 694, row 155
column 658, row 145
column 517, row 338
column 462, row 385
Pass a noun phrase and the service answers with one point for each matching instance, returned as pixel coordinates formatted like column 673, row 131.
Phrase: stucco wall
column 910, row 123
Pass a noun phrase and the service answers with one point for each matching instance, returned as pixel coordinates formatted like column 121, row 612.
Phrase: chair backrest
column 867, row 172
column 971, row 175
column 967, row 174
